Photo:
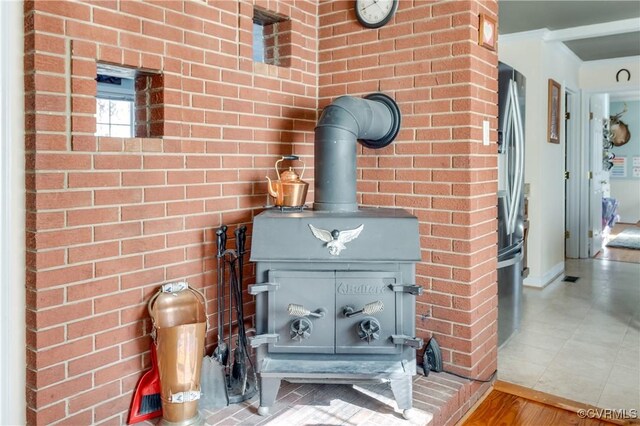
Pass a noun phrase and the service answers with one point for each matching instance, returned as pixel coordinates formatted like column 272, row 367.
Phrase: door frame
column 585, row 169
column 572, row 166
column 12, row 215
column 597, row 175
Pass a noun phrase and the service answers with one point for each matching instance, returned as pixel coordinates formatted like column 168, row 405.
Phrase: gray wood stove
column 335, row 286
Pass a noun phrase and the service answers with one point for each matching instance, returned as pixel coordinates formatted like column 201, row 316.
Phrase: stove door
column 306, row 291
column 370, row 331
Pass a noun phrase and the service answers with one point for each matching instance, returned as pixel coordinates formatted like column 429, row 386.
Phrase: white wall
column 600, row 76
column 12, row 216
column 627, row 192
column 544, row 162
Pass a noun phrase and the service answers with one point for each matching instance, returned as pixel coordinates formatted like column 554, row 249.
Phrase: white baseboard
column 546, row 279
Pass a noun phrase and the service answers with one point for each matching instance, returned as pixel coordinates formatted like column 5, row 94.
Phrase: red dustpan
column 146, row 402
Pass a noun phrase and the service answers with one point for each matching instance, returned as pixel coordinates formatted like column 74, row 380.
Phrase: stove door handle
column 401, row 339
column 302, row 312
column 368, row 309
column 414, row 289
column 263, row 339
column 255, row 289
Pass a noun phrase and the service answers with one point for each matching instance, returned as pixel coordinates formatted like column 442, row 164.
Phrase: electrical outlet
column 485, row 132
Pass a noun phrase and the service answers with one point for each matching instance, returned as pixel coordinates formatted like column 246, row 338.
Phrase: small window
column 115, row 106
column 271, row 38
column 258, row 42
column 129, row 103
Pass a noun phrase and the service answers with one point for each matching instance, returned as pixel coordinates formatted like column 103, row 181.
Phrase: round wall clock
column 375, row 13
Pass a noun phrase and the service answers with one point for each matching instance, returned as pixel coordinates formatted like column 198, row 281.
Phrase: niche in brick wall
column 271, row 38
column 129, row 102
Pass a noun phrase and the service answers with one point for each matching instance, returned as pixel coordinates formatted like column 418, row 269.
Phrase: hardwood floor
column 501, row 408
column 619, row 254
column 508, row 404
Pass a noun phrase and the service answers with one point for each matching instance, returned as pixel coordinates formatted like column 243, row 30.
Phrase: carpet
column 629, row 238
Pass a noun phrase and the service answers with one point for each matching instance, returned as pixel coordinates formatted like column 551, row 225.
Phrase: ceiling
column 562, row 16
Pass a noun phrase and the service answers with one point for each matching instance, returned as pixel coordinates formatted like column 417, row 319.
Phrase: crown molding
column 604, row 29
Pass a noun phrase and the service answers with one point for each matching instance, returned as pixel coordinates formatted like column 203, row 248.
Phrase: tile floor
column 581, row 340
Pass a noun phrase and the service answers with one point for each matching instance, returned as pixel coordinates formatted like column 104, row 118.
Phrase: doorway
column 593, row 179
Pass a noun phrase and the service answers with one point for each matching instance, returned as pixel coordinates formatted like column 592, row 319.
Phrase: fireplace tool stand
column 240, row 374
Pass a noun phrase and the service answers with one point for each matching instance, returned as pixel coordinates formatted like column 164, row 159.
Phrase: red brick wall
column 109, row 220
column 428, row 59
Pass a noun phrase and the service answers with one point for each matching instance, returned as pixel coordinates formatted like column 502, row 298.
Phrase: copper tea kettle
column 289, row 190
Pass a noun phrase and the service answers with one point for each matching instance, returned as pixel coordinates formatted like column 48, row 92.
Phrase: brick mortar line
column 454, row 267
column 142, row 20
column 89, row 280
column 466, row 254
column 109, row 258
column 431, row 290
column 413, row 33
column 204, row 64
column 79, row 338
column 91, row 408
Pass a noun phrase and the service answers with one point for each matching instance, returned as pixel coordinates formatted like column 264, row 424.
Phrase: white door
column 599, row 178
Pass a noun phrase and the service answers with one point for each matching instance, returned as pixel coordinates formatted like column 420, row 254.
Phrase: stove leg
column 402, row 390
column 268, row 393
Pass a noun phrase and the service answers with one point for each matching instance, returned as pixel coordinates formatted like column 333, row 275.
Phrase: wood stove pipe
column 374, row 121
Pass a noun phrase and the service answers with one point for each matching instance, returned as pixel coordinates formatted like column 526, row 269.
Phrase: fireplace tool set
column 238, row 384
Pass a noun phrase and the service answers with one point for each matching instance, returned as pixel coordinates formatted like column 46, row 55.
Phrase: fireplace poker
column 222, row 350
column 239, row 368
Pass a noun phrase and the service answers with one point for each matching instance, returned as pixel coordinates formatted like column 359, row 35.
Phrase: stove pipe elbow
column 374, row 121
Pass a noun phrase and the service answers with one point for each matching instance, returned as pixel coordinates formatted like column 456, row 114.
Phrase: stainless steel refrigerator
column 511, row 105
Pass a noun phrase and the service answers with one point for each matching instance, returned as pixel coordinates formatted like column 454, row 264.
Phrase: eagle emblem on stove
column 335, row 239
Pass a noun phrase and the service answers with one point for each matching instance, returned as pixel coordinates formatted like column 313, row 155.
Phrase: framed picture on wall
column 487, row 32
column 553, row 115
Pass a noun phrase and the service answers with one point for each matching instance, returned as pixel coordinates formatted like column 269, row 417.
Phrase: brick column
column 429, row 60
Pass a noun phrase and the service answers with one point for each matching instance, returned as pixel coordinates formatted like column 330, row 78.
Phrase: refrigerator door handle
column 519, row 159
column 507, row 124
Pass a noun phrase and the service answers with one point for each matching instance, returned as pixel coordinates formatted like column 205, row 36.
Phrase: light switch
column 485, row 132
